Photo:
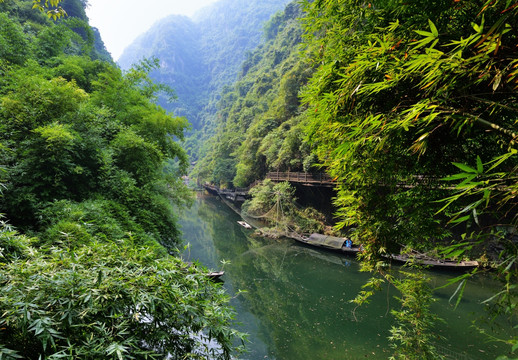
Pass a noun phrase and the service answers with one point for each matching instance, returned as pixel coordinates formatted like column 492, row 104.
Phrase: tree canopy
column 394, row 102
column 412, row 109
column 90, row 187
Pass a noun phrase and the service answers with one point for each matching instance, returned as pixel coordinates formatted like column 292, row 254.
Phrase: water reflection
column 296, row 304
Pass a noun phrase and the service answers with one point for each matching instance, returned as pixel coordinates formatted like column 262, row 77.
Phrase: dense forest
column 410, row 106
column 260, row 123
column 90, row 175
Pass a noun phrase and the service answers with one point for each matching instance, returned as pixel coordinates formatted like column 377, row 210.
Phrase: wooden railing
column 308, row 179
column 314, row 179
column 324, row 180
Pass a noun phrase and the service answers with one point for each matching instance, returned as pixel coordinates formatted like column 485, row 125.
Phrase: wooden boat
column 328, row 242
column 245, row 224
column 215, row 275
column 434, row 263
column 344, row 245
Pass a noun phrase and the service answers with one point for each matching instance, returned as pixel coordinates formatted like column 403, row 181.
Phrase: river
column 296, row 300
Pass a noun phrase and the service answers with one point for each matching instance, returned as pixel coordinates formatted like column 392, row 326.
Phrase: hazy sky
column 121, row 21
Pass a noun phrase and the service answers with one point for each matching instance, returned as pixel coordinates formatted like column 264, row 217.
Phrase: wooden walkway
column 318, row 180
column 324, row 180
column 306, row 179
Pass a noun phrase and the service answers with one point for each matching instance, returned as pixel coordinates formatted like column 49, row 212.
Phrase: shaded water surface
column 296, row 305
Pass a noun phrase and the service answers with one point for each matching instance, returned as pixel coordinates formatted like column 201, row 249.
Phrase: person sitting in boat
column 348, row 243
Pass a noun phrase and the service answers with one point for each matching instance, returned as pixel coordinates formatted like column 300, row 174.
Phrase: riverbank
column 404, row 257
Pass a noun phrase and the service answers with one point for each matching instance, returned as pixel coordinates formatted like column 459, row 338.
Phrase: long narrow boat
column 215, row 275
column 344, row 245
column 328, row 242
column 245, row 224
column 435, row 263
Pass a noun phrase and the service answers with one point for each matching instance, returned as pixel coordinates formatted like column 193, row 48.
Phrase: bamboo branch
column 496, row 127
column 510, row 133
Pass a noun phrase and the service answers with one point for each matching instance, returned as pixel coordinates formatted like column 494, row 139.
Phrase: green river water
column 297, row 300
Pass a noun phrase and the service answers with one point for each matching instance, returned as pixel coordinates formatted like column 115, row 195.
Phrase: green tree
column 405, row 94
column 276, row 204
column 14, row 46
column 90, row 168
column 109, row 300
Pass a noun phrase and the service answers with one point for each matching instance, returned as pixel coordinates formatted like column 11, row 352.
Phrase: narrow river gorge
column 296, row 300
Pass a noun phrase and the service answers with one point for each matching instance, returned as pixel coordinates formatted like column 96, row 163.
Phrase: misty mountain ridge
column 200, row 55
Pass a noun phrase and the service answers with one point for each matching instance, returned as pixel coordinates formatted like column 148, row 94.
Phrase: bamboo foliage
column 109, row 301
column 407, row 90
column 403, row 86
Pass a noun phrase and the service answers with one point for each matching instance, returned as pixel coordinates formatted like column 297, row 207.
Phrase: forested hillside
column 176, row 42
column 260, row 124
column 199, row 56
column 89, row 177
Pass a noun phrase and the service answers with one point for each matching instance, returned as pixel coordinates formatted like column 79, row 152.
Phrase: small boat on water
column 433, row 262
column 215, row 275
column 245, row 224
column 328, row 242
column 345, row 245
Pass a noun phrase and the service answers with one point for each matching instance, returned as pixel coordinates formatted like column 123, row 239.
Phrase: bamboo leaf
column 456, row 177
column 480, row 166
column 467, row 182
column 493, row 297
column 423, row 42
column 433, row 28
column 425, row 33
column 459, row 220
column 460, row 291
column 475, row 217
column 465, row 167
column 510, row 264
column 455, row 280
column 487, row 196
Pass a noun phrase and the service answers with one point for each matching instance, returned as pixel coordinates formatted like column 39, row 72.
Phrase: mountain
column 259, row 124
column 199, row 56
column 175, row 41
